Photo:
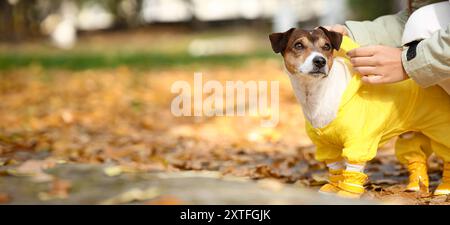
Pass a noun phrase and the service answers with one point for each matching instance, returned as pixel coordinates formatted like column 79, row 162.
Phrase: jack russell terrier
column 348, row 120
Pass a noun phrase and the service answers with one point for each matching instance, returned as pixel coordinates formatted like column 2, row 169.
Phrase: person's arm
column 380, row 54
column 429, row 64
column 385, row 30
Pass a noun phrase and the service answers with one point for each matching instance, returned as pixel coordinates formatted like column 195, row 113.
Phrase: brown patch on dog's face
column 307, row 52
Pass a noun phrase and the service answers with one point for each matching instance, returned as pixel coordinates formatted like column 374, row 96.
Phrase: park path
column 90, row 184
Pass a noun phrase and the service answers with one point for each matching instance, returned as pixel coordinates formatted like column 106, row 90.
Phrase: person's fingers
column 363, row 61
column 339, row 29
column 328, row 27
column 336, row 28
column 365, row 70
column 373, row 79
column 362, row 52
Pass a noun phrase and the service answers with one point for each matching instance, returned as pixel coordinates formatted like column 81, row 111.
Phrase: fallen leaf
column 132, row 195
column 271, row 184
column 165, row 200
column 59, row 189
column 4, row 198
column 438, row 200
column 319, row 179
column 384, row 181
column 113, row 171
column 34, row 169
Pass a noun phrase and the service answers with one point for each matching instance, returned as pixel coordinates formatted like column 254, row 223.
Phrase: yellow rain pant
column 415, row 148
column 370, row 115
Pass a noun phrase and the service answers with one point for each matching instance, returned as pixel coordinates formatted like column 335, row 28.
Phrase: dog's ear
column 335, row 37
column 280, row 40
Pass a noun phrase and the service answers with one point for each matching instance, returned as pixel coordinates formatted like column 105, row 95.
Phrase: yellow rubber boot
column 444, row 187
column 334, row 177
column 417, row 175
column 352, row 185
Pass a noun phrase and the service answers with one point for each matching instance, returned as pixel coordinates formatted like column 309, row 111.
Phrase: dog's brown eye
column 298, row 46
column 327, row 47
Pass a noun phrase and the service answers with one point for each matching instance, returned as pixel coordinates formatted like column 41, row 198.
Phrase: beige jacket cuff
column 419, row 68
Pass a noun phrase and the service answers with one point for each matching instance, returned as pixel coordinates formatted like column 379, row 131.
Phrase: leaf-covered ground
column 120, row 119
column 93, row 125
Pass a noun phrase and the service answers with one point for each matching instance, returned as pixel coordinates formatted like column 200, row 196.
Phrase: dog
column 348, row 120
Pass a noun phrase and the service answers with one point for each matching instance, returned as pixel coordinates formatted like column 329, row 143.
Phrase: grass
column 146, row 60
column 149, row 48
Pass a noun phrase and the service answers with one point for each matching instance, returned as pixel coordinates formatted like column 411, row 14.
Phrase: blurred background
column 146, row 28
column 88, row 82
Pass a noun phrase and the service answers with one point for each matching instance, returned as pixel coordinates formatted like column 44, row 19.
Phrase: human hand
column 378, row 64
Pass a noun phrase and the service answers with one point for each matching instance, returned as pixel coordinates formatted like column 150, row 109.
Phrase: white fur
column 308, row 65
column 320, row 96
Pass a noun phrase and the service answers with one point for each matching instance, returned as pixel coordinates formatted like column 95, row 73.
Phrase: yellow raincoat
column 370, row 115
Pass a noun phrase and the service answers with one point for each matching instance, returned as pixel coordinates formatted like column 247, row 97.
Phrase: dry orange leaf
column 4, row 198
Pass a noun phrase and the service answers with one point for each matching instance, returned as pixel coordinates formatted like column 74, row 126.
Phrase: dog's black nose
column 319, row 61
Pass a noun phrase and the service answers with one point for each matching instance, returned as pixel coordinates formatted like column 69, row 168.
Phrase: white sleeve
column 425, row 21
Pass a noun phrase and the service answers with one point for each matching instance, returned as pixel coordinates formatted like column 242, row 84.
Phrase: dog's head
column 307, row 53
